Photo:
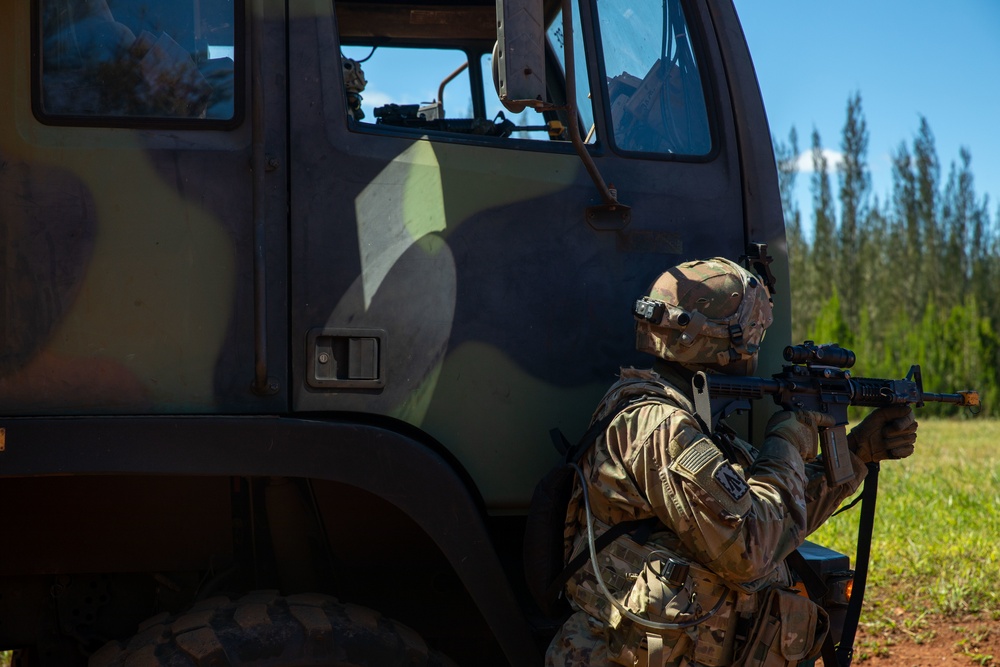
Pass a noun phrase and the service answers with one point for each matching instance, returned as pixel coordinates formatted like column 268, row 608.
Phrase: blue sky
column 907, row 58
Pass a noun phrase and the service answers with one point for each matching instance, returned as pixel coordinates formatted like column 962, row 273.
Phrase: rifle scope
column 821, row 355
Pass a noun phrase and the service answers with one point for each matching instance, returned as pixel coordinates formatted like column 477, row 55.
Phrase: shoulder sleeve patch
column 731, row 481
column 703, row 464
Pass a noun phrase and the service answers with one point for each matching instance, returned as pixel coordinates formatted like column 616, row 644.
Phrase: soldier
column 703, row 580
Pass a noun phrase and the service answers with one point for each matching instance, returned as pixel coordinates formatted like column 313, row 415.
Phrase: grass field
column 936, row 548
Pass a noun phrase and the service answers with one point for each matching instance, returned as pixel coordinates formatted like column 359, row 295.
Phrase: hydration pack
column 545, row 569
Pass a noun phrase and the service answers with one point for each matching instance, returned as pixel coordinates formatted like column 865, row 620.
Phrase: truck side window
column 113, row 61
column 418, row 88
column 432, row 72
column 653, row 84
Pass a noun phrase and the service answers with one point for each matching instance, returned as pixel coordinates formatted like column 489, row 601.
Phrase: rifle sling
column 842, row 654
column 866, row 528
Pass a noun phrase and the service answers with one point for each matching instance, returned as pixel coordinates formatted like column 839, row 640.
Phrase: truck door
column 444, row 271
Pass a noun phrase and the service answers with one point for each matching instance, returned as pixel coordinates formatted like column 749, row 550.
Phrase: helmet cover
column 704, row 314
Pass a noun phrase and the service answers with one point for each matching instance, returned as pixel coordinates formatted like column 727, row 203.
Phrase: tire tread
column 265, row 629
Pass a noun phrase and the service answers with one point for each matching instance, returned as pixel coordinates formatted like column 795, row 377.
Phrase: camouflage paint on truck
column 419, row 299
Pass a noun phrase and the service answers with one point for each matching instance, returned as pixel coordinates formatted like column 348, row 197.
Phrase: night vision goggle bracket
column 649, row 310
column 689, row 324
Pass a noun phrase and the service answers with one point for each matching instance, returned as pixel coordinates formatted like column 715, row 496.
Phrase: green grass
column 937, row 527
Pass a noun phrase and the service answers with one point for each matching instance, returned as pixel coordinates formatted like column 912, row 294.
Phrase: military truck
column 291, row 301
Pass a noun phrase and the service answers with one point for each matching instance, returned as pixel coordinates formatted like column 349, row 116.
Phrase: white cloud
column 804, row 163
column 375, row 98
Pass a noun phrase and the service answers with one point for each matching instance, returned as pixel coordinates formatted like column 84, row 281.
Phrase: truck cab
column 292, row 292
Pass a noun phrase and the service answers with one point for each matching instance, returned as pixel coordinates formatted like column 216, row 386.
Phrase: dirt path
column 932, row 642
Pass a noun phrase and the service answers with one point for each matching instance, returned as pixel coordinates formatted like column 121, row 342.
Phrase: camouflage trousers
column 582, row 642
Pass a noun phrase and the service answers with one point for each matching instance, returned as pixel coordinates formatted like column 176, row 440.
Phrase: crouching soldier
column 704, row 580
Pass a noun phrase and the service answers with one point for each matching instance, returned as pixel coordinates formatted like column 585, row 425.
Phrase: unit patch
column 731, row 481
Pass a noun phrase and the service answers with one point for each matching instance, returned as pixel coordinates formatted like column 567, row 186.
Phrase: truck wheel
column 264, row 629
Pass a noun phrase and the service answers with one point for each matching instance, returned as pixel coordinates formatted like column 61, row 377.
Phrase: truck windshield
column 653, row 84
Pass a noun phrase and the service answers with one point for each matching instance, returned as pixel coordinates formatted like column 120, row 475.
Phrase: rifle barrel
column 966, row 399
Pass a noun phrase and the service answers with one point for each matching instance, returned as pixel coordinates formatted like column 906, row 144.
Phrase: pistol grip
column 836, row 454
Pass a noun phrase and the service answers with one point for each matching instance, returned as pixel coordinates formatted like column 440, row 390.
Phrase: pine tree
column 985, row 260
column 911, row 280
column 877, row 276
column 907, row 232
column 824, row 243
column 786, row 157
column 927, row 172
column 801, row 267
column 959, row 212
column 855, row 185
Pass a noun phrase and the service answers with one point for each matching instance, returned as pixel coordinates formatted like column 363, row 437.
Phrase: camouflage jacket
column 739, row 519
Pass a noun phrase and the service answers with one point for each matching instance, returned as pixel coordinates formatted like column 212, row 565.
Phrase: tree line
column 912, row 278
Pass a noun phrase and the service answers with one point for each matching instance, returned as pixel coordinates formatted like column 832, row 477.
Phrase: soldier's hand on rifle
column 887, row 433
column 800, row 428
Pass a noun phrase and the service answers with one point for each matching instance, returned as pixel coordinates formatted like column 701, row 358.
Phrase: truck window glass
column 120, row 60
column 528, row 124
column 653, row 84
column 410, row 87
column 409, row 78
column 584, row 103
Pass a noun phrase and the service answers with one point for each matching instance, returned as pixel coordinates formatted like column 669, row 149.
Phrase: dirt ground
column 934, row 642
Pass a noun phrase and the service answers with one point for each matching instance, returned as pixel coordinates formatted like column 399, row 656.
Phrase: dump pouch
column 655, row 597
column 663, row 587
column 790, row 628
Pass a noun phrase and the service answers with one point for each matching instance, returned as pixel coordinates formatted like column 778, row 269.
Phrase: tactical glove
column 887, row 433
column 800, row 428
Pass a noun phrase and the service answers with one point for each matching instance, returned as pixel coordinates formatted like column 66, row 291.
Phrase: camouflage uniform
column 738, row 518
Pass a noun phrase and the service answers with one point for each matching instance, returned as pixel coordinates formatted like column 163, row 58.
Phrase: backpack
column 545, row 571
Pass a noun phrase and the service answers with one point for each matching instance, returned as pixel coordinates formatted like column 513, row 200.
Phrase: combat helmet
column 705, row 314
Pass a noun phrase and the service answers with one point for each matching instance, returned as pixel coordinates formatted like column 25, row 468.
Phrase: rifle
column 411, row 116
column 818, row 379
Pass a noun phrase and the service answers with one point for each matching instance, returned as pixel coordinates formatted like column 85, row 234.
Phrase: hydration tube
column 638, row 620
